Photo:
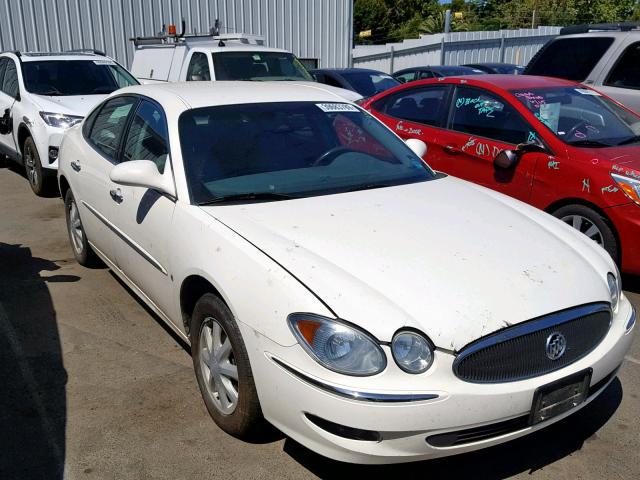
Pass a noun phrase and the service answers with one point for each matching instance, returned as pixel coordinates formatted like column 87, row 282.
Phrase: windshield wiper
column 51, row 93
column 257, row 196
column 369, row 186
column 589, row 143
column 634, row 139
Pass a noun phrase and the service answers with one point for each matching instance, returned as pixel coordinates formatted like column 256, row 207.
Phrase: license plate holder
column 560, row 396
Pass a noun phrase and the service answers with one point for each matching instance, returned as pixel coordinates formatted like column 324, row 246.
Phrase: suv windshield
column 75, row 77
column 293, row 149
column 368, row 84
column 248, row 65
column 581, row 116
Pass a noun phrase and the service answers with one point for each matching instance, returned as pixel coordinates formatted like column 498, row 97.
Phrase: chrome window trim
column 530, row 326
column 353, row 394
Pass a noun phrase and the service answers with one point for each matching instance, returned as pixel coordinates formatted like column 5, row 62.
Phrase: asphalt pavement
column 93, row 386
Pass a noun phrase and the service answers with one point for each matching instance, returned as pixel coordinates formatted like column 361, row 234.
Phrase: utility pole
column 447, row 21
column 533, row 18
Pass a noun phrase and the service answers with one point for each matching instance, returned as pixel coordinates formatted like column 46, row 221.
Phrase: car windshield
column 75, row 77
column 292, row 149
column 247, row 65
column 369, row 84
column 581, row 116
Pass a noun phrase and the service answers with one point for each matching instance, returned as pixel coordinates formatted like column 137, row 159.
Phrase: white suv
column 43, row 94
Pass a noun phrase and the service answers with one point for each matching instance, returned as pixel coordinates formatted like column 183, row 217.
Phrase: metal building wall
column 320, row 29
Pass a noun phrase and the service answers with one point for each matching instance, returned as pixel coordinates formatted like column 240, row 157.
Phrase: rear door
column 143, row 216
column 99, row 198
column 481, row 124
column 419, row 112
column 9, row 91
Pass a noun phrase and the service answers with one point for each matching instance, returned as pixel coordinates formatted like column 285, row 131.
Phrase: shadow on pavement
column 33, row 398
column 526, row 454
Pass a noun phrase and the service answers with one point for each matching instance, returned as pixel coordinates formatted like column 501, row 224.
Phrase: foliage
column 394, row 20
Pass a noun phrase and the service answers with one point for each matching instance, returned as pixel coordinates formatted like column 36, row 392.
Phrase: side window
column 10, row 81
column 147, row 138
column 198, row 68
column 88, row 123
column 406, row 77
column 426, row 74
column 330, row 80
column 425, row 105
column 625, row 72
column 3, row 67
column 109, row 125
column 481, row 113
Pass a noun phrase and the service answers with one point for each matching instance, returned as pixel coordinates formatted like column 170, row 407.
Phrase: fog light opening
column 53, row 154
column 344, row 431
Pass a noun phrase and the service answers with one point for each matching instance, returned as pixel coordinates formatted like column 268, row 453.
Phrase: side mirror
column 143, row 173
column 506, row 159
column 417, row 146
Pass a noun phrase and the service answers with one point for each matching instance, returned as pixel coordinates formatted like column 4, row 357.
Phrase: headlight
column 630, row 186
column 60, row 120
column 338, row 346
column 412, row 352
column 614, row 290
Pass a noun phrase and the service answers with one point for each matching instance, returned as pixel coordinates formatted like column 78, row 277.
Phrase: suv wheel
column 40, row 181
column 592, row 224
column 223, row 370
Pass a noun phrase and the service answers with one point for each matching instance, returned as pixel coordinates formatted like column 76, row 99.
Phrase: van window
column 198, row 68
column 569, row 58
column 247, row 65
column 625, row 73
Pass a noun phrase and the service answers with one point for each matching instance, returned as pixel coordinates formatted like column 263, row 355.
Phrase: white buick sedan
column 330, row 282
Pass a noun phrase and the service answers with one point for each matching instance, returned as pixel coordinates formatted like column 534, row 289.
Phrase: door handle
column 451, row 150
column 116, row 195
column 75, row 164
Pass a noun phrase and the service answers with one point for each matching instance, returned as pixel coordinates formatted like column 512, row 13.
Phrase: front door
column 144, row 216
column 481, row 124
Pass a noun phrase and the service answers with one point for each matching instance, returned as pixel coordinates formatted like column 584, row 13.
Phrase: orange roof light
column 172, row 30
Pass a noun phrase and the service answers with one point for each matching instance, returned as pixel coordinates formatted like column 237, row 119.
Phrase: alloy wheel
column 75, row 228
column 585, row 226
column 30, row 166
column 218, row 366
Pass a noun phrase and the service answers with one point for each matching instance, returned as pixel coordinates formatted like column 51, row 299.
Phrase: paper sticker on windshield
column 336, row 107
column 103, row 62
column 586, row 91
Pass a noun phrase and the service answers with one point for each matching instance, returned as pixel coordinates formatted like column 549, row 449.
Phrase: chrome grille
column 520, row 352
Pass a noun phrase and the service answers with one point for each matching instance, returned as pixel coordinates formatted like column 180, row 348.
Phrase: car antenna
column 215, row 31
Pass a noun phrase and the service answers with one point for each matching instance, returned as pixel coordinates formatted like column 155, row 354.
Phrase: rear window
column 569, row 58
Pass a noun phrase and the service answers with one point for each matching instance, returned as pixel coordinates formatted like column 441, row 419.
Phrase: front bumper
column 626, row 219
column 293, row 404
column 45, row 138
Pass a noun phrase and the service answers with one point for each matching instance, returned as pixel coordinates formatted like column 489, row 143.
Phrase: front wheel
column 41, row 182
column 592, row 224
column 223, row 370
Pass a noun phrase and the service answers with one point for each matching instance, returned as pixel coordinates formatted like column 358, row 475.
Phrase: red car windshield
column 581, row 117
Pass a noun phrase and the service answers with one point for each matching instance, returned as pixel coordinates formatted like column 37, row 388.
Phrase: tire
column 41, row 182
column 243, row 420
column 593, row 224
column 77, row 236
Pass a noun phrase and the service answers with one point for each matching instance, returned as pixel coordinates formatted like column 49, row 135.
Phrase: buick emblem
column 556, row 345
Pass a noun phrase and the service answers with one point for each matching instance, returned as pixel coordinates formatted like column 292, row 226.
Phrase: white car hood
column 78, row 105
column 452, row 259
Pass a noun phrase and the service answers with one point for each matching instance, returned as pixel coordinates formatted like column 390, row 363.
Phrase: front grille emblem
column 556, row 345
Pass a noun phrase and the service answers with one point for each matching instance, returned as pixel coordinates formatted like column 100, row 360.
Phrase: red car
column 555, row 144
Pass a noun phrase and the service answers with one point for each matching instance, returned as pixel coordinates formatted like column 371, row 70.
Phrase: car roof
column 231, row 46
column 600, row 33
column 58, row 56
column 187, row 95
column 490, row 64
column 505, row 82
column 348, row 70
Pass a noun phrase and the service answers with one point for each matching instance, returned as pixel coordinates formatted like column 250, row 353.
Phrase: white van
column 210, row 57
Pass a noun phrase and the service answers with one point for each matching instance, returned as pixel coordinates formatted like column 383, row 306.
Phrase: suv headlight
column 614, row 290
column 630, row 186
column 338, row 346
column 60, row 120
column 412, row 352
